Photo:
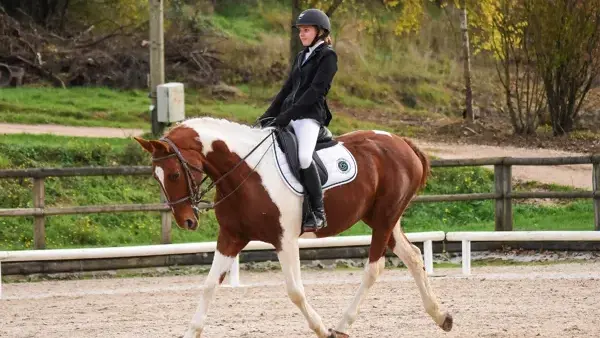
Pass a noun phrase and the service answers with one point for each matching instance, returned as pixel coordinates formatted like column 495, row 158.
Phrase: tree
column 467, row 62
column 411, row 18
column 510, row 41
column 565, row 37
column 295, row 44
column 40, row 11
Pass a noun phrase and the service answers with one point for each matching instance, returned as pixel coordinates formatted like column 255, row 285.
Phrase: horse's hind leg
column 372, row 271
column 411, row 256
column 222, row 262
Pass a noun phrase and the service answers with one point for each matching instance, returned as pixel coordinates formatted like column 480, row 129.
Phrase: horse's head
column 179, row 172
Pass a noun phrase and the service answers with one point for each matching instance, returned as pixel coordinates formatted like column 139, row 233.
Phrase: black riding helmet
column 315, row 17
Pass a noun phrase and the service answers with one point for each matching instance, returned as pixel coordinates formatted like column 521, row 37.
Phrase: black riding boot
column 312, row 184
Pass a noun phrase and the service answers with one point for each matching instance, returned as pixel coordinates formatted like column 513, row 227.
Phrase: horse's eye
column 174, row 176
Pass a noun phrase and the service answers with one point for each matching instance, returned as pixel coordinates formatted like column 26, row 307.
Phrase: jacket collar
column 314, row 50
column 315, row 46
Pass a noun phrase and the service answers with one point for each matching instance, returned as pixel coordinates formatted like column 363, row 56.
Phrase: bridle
column 194, row 195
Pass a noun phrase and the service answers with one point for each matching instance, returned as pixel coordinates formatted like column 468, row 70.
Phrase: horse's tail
column 424, row 161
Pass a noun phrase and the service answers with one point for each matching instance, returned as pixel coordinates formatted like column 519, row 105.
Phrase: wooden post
column 503, row 185
column 166, row 223
column 596, row 190
column 39, row 223
column 507, row 188
column 157, row 59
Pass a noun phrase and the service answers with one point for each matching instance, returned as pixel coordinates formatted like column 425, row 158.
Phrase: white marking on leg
column 371, row 273
column 411, row 256
column 220, row 265
column 308, row 235
column 289, row 258
column 381, row 132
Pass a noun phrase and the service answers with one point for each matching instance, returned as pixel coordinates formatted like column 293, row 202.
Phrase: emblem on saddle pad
column 343, row 165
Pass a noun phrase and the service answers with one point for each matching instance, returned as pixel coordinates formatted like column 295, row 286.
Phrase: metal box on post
column 170, row 102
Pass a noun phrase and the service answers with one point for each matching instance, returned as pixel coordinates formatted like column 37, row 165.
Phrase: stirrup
column 311, row 223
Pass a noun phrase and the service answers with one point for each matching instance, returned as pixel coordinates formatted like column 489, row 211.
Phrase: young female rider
column 301, row 103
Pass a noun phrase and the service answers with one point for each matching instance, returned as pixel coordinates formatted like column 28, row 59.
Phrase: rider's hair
column 327, row 38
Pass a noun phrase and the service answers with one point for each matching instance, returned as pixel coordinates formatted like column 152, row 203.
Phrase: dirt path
column 6, row 128
column 527, row 301
column 579, row 176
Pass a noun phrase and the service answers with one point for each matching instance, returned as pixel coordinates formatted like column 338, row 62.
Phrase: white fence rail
column 189, row 248
column 513, row 236
column 427, row 238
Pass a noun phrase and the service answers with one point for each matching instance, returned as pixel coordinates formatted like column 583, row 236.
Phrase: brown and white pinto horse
column 253, row 203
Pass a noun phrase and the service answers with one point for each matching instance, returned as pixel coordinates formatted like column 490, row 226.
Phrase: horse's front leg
column 227, row 250
column 289, row 258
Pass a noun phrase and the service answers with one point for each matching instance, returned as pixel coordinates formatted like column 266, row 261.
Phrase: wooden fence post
column 596, row 198
column 165, row 217
column 503, row 186
column 39, row 223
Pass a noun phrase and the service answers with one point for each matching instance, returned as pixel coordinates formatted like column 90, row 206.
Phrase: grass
column 139, row 228
column 125, row 109
column 75, row 106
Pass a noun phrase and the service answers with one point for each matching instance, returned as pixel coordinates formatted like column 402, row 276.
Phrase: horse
column 371, row 176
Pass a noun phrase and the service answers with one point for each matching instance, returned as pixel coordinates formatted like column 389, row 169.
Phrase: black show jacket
column 304, row 93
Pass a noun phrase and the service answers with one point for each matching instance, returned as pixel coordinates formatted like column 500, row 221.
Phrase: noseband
column 194, row 195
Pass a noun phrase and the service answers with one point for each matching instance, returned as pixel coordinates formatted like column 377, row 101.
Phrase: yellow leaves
column 391, row 3
column 410, row 17
column 111, row 14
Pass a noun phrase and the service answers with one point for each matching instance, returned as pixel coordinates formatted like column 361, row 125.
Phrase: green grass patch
column 36, row 151
column 75, row 106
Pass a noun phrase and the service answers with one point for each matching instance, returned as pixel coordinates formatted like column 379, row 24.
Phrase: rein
column 194, row 196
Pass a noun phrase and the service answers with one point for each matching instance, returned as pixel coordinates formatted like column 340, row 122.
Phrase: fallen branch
column 42, row 71
column 33, row 51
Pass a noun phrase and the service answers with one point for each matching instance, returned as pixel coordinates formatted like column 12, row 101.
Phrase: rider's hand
column 282, row 120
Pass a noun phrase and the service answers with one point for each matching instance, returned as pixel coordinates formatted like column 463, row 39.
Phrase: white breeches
column 307, row 131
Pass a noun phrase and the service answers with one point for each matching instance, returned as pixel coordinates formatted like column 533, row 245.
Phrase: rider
column 302, row 104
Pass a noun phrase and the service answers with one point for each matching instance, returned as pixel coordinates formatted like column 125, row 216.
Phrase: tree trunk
column 467, row 63
column 295, row 43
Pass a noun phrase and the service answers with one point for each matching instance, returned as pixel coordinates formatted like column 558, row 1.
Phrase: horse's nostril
column 189, row 223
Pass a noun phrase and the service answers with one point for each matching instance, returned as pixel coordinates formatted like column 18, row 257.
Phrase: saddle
column 288, row 143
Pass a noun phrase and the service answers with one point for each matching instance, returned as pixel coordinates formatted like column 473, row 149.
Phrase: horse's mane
column 220, row 124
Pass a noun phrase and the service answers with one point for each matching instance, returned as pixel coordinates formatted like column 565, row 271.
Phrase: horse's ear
column 145, row 144
column 161, row 145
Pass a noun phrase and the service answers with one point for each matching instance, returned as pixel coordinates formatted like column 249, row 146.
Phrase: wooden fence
column 502, row 193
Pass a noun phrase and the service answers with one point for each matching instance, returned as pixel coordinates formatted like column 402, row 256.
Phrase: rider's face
column 307, row 34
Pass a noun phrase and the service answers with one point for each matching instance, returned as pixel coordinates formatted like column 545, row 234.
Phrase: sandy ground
column 528, row 301
column 579, row 176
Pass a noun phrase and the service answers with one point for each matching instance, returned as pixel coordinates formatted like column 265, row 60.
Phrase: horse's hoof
column 337, row 334
column 447, row 324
